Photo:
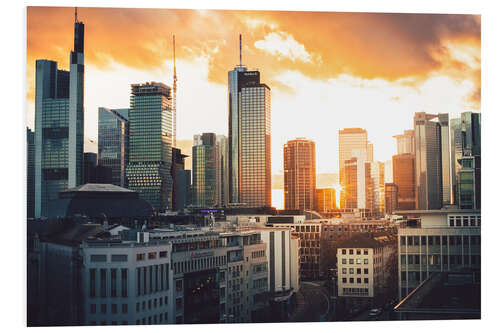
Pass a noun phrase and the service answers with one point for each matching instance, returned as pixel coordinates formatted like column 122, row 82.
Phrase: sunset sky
column 326, row 70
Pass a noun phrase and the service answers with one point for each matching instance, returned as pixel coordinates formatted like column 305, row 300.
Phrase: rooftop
column 366, row 240
column 97, row 188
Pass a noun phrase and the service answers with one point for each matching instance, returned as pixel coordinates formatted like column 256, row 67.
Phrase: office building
column 205, row 170
column 59, row 125
column 223, row 170
column 180, row 185
column 350, row 140
column 431, row 241
column 469, row 182
column 150, row 143
column 358, row 180
column 30, row 173
column 404, row 178
column 249, row 138
column 432, row 161
column 299, row 158
column 367, row 266
column 325, row 200
column 405, row 142
column 391, row 198
column 113, row 136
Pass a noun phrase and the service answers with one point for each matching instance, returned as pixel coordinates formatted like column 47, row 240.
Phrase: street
column 312, row 303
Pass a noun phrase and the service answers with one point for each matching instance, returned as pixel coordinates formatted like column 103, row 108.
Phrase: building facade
column 469, row 183
column 180, row 183
column 249, row 139
column 113, row 136
column 59, row 125
column 437, row 241
column 205, row 170
column 404, row 178
column 325, row 200
column 391, row 198
column 405, row 142
column 150, row 144
column 299, row 158
column 30, row 172
column 223, row 170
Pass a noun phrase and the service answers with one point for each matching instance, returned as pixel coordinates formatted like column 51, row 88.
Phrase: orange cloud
column 321, row 45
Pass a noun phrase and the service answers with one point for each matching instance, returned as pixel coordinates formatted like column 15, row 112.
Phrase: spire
column 76, row 14
column 174, row 101
column 240, row 50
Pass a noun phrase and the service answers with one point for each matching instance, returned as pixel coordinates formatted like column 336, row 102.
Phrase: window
column 365, row 271
column 119, row 257
column 344, row 261
column 358, row 271
column 178, row 285
column 358, row 251
column 351, row 270
column 92, row 282
column 423, row 240
column 365, row 261
column 351, row 251
column 351, row 280
column 140, row 257
column 366, row 280
column 124, row 282
column 358, row 261
column 152, row 255
column 351, row 261
column 344, row 251
column 103, row 282
column 124, row 308
column 365, row 252
column 410, row 240
column 358, row 280
column 403, row 276
column 344, row 280
column 137, row 307
column 344, row 270
column 403, row 240
column 113, row 282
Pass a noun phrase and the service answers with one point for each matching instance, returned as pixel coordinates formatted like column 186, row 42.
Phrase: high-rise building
column 350, row 140
column 369, row 152
column 30, row 173
column 249, row 139
column 223, row 170
column 205, row 170
column 358, row 186
column 59, row 125
column 405, row 142
column 391, row 198
column 325, row 199
column 469, row 183
column 150, row 143
column 93, row 173
column 404, row 177
column 465, row 136
column 179, row 192
column 432, row 161
column 113, row 133
column 299, row 158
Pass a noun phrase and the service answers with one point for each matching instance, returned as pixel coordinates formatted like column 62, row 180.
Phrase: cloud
column 281, row 44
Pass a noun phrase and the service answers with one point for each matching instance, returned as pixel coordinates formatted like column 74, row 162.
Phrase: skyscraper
column 113, row 136
column 391, row 198
column 432, row 160
column 299, row 158
column 30, row 172
column 150, row 143
column 325, row 199
column 205, row 170
column 350, row 139
column 404, row 177
column 180, row 187
column 59, row 125
column 405, row 142
column 358, row 182
column 223, row 170
column 249, row 138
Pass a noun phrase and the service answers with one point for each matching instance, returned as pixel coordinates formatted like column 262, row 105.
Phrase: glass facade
column 113, row 143
column 404, row 177
column 150, row 143
column 30, row 172
column 325, row 199
column 205, row 170
column 299, row 158
column 223, row 170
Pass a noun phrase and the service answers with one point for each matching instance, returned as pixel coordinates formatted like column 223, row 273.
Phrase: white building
column 430, row 241
column 364, row 266
column 127, row 283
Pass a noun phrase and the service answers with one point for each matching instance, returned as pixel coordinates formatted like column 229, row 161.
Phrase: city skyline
column 289, row 60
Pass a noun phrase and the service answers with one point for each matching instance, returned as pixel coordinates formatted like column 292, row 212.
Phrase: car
column 374, row 313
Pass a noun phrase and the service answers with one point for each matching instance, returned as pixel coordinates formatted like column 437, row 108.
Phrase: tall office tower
column 377, row 190
column 205, row 170
column 381, row 186
column 113, row 136
column 325, row 200
column 358, row 182
column 391, row 198
column 404, row 177
column 59, row 125
column 430, row 156
column 369, row 152
column 150, row 143
column 223, row 170
column 93, row 173
column 178, row 180
column 350, row 139
column 299, row 158
column 405, row 142
column 388, row 171
column 465, row 135
column 249, row 138
column 469, row 183
column 30, row 173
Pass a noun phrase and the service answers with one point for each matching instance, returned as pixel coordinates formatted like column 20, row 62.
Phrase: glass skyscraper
column 299, row 159
column 30, row 172
column 249, row 139
column 150, row 143
column 404, row 177
column 205, row 170
column 223, row 170
column 113, row 133
column 59, row 125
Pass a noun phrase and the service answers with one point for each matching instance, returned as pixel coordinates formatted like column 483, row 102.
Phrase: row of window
column 434, row 259
column 438, row 240
column 353, row 261
column 154, row 303
column 358, row 280
column 355, row 291
column 358, row 270
column 358, row 251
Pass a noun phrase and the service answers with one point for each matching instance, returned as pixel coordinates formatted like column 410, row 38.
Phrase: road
column 312, row 303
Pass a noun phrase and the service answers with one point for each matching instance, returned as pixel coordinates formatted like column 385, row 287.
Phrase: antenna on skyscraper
column 240, row 50
column 76, row 14
column 175, row 99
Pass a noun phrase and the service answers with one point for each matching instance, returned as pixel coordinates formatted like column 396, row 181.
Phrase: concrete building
column 366, row 263
column 59, row 125
column 299, row 159
column 249, row 138
column 150, row 143
column 113, row 137
column 430, row 241
column 404, row 178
